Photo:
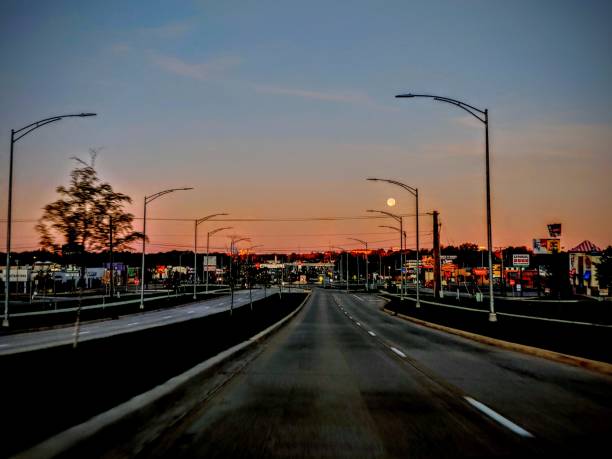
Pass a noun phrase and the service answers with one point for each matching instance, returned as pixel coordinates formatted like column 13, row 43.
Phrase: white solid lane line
column 132, row 323
column 372, row 333
column 398, row 352
column 498, row 417
column 84, row 332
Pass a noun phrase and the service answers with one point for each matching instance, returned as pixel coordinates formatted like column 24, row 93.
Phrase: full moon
column 390, row 202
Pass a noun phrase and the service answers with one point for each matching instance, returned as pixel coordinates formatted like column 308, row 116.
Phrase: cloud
column 200, row 71
column 341, row 97
column 563, row 141
column 120, row 48
column 170, row 30
column 316, row 95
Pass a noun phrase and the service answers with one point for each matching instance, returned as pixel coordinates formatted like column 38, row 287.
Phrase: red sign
column 480, row 271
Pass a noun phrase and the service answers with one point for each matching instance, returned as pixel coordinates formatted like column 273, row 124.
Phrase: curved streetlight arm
column 159, row 194
column 31, row 127
column 393, row 228
column 208, row 217
column 467, row 107
column 388, row 214
column 361, row 241
column 412, row 190
column 236, row 241
column 210, row 233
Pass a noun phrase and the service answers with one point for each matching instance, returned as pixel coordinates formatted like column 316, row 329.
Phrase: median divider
column 148, row 405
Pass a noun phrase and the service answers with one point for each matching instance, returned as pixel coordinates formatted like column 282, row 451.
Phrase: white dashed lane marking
column 498, row 418
column 398, row 352
column 372, row 333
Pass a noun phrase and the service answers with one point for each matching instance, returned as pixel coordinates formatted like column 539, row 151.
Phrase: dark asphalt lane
column 568, row 408
column 325, row 387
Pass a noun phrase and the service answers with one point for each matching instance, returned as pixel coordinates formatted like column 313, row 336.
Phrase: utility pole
column 436, row 253
column 110, row 225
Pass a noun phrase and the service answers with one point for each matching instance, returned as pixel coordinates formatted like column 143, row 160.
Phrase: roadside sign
column 520, row 259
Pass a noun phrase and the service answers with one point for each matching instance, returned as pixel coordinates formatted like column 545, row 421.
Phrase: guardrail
column 507, row 314
column 109, row 305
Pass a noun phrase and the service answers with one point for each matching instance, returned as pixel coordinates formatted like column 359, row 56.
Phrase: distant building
column 583, row 268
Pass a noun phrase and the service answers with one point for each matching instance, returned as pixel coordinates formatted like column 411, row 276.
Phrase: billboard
column 554, row 229
column 210, row 263
column 546, row 246
column 520, row 259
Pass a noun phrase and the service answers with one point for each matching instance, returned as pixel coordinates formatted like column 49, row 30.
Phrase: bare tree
column 84, row 212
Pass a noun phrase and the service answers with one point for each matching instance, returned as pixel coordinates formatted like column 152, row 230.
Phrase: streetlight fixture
column 415, row 193
column 15, row 136
column 208, row 235
column 400, row 220
column 195, row 249
column 147, row 200
column 347, row 266
column 248, row 249
column 483, row 117
column 361, row 241
column 234, row 241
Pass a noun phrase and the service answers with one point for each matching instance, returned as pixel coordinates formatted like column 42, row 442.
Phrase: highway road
column 22, row 342
column 343, row 379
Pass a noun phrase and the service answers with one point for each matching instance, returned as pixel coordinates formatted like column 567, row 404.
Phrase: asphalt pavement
column 344, row 379
column 23, row 342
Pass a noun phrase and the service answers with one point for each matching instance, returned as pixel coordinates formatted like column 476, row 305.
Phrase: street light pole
column 208, row 234
column 16, row 135
column 195, row 249
column 483, row 117
column 400, row 220
column 249, row 272
column 366, row 259
column 234, row 241
column 415, row 192
column 147, row 200
column 347, row 266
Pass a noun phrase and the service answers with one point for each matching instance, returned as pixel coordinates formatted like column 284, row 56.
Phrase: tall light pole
column 195, row 249
column 400, row 220
column 147, row 200
column 248, row 249
column 208, row 235
column 395, row 228
column 234, row 241
column 415, row 193
column 347, row 266
column 361, row 241
column 15, row 136
column 483, row 117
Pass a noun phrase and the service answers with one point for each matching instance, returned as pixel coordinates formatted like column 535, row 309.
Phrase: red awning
column 585, row 247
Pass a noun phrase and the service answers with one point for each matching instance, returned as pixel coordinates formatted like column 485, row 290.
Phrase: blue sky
column 273, row 108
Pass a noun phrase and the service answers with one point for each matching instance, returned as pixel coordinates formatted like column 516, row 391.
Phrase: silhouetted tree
column 558, row 275
column 604, row 269
column 82, row 215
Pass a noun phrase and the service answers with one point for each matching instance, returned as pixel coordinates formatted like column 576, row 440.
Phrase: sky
column 280, row 109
